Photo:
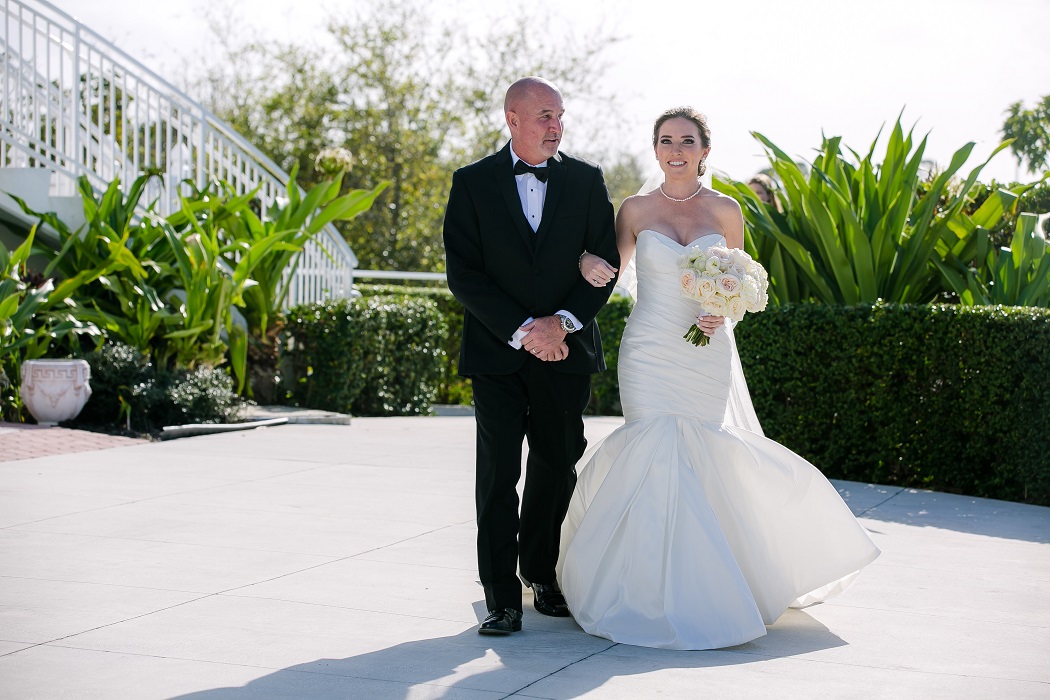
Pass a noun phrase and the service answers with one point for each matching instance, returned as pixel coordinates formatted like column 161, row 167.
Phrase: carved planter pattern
column 55, row 390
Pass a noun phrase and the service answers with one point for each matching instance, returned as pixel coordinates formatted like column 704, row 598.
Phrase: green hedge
column 452, row 389
column 374, row 356
column 605, row 387
column 949, row 398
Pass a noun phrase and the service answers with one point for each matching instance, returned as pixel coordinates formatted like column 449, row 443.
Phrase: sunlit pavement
column 337, row 561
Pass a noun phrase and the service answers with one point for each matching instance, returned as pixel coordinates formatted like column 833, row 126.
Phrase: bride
column 688, row 529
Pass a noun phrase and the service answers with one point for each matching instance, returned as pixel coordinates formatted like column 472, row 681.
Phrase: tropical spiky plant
column 852, row 230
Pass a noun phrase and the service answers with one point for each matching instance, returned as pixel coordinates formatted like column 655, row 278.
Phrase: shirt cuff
column 515, row 340
column 575, row 321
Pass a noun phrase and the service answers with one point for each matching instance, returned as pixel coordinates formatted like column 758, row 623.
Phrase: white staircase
column 72, row 104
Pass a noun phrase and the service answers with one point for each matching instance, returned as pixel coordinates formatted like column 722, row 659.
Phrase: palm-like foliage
column 853, row 231
column 166, row 286
column 1014, row 276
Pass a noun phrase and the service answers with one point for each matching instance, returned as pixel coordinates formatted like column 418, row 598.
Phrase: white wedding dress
column 686, row 531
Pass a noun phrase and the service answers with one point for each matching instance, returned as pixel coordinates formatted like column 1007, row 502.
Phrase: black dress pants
column 546, row 407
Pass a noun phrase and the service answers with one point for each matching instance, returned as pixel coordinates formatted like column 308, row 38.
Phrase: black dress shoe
column 547, row 599
column 503, row 621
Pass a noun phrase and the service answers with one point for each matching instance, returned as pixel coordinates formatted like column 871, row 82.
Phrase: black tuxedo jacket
column 502, row 272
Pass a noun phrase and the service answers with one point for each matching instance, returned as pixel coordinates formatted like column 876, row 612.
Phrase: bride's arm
column 626, row 230
column 594, row 268
column 732, row 221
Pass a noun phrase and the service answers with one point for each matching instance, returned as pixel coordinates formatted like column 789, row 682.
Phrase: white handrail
column 76, row 104
column 396, row 275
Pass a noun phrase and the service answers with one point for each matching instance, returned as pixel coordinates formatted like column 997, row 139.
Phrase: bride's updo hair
column 692, row 115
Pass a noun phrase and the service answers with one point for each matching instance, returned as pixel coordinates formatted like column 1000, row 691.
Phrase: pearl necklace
column 680, row 200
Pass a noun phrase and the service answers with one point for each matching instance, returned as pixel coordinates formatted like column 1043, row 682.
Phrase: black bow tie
column 521, row 167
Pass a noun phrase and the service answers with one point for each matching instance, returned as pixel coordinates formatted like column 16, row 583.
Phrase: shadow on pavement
column 468, row 665
column 979, row 516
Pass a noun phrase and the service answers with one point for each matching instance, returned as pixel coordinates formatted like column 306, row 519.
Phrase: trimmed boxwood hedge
column 605, row 387
column 944, row 397
column 451, row 389
column 374, row 356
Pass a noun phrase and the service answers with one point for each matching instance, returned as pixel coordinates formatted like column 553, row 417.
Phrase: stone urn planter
column 55, row 390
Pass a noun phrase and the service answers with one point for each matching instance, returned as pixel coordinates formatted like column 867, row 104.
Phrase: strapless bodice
column 659, row 371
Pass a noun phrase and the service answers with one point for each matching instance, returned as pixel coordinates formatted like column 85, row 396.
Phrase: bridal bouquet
column 726, row 282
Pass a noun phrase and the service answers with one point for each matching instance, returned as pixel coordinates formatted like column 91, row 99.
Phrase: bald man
column 516, row 225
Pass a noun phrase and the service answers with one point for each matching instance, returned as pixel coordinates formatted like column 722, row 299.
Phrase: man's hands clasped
column 545, row 339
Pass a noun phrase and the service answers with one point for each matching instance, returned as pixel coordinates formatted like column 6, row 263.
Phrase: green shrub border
column 373, row 356
column 950, row 398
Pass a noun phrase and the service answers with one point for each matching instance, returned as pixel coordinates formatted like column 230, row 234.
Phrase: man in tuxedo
column 516, row 225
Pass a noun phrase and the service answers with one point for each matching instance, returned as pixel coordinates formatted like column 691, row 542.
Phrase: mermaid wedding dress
column 686, row 530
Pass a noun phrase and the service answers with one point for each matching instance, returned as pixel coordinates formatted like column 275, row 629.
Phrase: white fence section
column 79, row 106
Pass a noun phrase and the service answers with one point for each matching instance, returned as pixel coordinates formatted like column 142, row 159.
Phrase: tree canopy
column 1030, row 129
column 412, row 97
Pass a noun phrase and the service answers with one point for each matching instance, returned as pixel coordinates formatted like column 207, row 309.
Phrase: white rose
column 738, row 269
column 716, row 306
column 725, row 258
column 737, row 308
column 713, row 266
column 749, row 290
column 763, row 299
column 697, row 256
column 687, row 282
column 705, row 288
column 727, row 283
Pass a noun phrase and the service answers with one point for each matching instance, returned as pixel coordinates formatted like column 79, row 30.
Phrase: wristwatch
column 566, row 324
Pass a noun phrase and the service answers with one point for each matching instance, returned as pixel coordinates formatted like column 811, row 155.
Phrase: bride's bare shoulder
column 634, row 207
column 720, row 200
column 638, row 202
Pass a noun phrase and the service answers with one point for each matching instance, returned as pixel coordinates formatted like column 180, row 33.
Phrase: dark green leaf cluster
column 128, row 390
column 944, row 397
column 452, row 389
column 376, row 356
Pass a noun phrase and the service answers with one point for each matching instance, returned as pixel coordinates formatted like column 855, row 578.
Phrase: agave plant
column 853, row 231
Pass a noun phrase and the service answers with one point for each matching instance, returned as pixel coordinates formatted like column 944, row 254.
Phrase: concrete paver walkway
column 325, row 561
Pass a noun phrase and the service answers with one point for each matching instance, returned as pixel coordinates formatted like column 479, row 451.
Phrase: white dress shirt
column 532, row 194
